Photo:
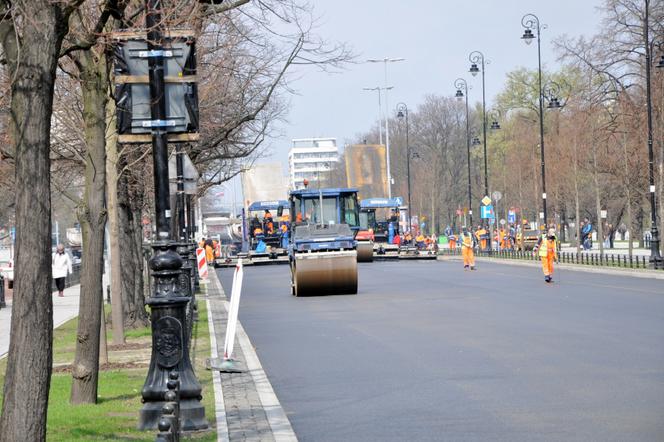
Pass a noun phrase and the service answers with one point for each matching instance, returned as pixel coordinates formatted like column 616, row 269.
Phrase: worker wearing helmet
column 546, row 249
column 468, row 243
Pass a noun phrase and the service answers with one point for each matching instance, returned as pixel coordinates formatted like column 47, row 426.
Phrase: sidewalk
column 64, row 309
column 247, row 408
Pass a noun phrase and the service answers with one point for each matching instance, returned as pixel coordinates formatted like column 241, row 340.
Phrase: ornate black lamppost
column 462, row 86
column 655, row 257
column 170, row 349
column 402, row 112
column 477, row 57
column 531, row 22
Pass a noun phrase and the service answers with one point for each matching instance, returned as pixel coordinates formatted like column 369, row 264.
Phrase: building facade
column 310, row 159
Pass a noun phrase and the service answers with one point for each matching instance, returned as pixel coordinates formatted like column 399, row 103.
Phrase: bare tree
column 31, row 33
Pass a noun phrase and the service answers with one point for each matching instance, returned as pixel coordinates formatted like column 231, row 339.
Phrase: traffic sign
column 511, row 217
column 458, row 212
column 486, row 200
column 486, row 212
column 497, row 195
column 502, row 222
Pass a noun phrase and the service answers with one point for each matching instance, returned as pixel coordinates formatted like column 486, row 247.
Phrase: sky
column 435, row 37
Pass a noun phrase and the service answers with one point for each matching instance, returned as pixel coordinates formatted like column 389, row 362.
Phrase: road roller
column 380, row 218
column 323, row 249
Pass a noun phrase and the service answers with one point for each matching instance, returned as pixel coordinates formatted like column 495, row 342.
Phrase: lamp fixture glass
column 528, row 36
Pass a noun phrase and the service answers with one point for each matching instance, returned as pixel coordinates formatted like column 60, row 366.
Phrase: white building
column 309, row 158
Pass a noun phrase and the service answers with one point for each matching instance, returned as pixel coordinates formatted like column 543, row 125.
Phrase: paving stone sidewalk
column 245, row 412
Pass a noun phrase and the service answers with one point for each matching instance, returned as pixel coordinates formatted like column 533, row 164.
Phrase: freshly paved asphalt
column 429, row 352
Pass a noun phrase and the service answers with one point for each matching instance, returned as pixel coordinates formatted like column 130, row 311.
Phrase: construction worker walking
column 546, row 249
column 468, row 243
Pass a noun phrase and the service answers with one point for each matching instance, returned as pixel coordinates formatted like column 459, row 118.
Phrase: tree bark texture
column 92, row 217
column 130, row 199
column 32, row 62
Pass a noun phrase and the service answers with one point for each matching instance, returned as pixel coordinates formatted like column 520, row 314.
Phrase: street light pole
column 387, row 118
column 474, row 58
column 380, row 108
column 530, row 22
column 402, row 111
column 655, row 257
column 462, row 86
column 170, row 335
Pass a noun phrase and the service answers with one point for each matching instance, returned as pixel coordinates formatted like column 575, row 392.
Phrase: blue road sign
column 487, row 212
column 13, row 233
column 511, row 217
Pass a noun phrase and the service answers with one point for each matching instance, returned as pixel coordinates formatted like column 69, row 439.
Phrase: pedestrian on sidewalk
column 468, row 243
column 61, row 267
column 546, row 249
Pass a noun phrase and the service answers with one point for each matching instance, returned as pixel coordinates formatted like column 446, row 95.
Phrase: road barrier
column 582, row 258
column 202, row 263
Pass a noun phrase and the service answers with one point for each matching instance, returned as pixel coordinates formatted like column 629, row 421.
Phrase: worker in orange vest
column 468, row 243
column 546, row 249
column 453, row 241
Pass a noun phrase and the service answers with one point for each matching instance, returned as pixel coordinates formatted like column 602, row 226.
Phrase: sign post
column 226, row 364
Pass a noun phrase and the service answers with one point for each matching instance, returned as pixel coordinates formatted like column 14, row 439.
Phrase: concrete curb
column 219, row 405
column 651, row 274
column 276, row 416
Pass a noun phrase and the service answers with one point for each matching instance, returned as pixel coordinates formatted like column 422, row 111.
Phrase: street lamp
column 385, row 61
column 380, row 109
column 474, row 58
column 655, row 257
column 170, row 336
column 402, row 112
column 462, row 86
column 531, row 22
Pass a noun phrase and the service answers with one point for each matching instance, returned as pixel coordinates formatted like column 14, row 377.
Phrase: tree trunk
column 577, row 211
column 32, row 67
column 92, row 216
column 626, row 182
column 131, row 253
column 114, row 243
column 598, row 203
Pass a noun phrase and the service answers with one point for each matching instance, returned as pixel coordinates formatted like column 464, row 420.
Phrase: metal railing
column 169, row 422
column 583, row 258
column 2, row 292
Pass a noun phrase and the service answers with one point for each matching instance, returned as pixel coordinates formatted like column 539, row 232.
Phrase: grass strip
column 115, row 415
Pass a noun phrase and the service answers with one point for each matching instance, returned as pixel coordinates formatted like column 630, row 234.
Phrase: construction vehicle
column 377, row 217
column 322, row 250
column 526, row 237
column 268, row 231
column 227, row 233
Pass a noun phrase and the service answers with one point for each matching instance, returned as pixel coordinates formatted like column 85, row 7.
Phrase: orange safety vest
column 546, row 247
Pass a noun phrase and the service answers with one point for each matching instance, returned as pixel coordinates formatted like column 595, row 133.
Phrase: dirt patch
column 130, row 346
column 104, row 367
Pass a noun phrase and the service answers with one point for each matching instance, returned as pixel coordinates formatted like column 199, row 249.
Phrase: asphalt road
column 429, row 352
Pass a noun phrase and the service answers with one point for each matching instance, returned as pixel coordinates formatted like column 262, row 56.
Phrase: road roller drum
column 365, row 251
column 325, row 273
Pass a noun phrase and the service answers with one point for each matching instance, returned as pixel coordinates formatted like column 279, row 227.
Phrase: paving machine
column 322, row 251
column 379, row 221
column 268, row 231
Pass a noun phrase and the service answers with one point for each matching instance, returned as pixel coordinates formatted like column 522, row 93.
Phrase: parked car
column 7, row 271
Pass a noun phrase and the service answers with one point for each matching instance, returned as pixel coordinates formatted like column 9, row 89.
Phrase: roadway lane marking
column 276, row 417
column 219, row 405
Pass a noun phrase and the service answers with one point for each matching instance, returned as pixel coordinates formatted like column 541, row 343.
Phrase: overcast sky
column 435, row 37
